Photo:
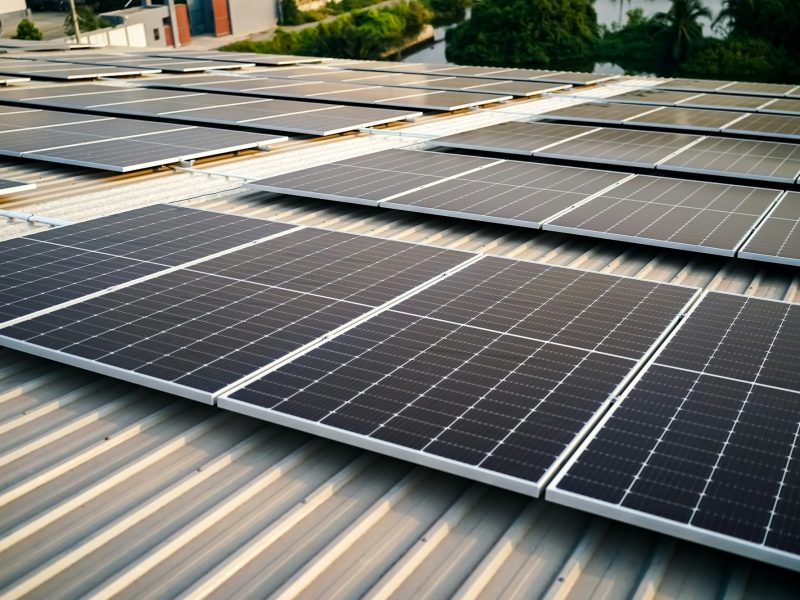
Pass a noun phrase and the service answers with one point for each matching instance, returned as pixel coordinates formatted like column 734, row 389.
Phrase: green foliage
column 446, row 12
column 775, row 21
column 87, row 20
column 367, row 34
column 683, row 23
column 291, row 15
column 525, row 33
column 637, row 46
column 747, row 59
column 26, row 30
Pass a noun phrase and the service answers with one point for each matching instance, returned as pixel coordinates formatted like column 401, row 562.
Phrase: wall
column 151, row 19
column 252, row 16
column 12, row 6
column 133, row 36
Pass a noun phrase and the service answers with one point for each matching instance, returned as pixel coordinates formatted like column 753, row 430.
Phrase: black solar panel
column 760, row 89
column 515, row 193
column 372, row 178
column 492, row 373
column 727, row 102
column 597, row 112
column 193, row 332
column 687, row 119
column 62, row 264
column 704, row 446
column 777, row 239
column 744, row 159
column 694, row 85
column 513, row 138
column 674, row 213
column 621, row 147
column 773, row 126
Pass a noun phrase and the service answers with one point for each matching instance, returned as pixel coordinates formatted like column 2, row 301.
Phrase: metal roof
column 109, row 489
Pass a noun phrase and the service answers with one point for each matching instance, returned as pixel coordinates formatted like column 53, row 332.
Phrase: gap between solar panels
column 499, row 366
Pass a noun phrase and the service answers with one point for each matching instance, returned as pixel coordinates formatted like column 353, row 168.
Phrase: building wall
column 12, row 6
column 151, row 19
column 251, row 16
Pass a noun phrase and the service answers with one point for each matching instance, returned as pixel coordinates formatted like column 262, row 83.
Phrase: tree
column 525, row 33
column 774, row 21
column 87, row 20
column 683, row 20
column 26, row 30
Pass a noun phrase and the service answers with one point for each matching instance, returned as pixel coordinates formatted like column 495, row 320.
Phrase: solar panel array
column 777, row 239
column 211, row 109
column 114, row 144
column 510, row 361
column 730, row 87
column 704, row 446
column 751, row 160
column 38, row 69
column 772, row 126
column 675, row 213
column 164, row 65
column 272, row 85
column 242, row 57
column 508, row 372
column 561, row 77
column 521, row 89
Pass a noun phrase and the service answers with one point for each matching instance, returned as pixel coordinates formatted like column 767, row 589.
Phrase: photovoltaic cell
column 782, row 106
column 492, row 373
column 515, row 193
column 687, row 215
column 745, row 159
column 777, row 239
column 727, row 102
column 704, row 446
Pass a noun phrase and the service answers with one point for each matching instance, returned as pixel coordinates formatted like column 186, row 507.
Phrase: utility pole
column 75, row 21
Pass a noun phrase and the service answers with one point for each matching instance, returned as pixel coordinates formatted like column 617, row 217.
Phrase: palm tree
column 682, row 19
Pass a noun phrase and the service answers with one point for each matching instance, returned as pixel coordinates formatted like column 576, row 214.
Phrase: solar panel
column 674, row 213
column 208, row 108
column 44, row 118
column 774, row 126
column 760, row 89
column 493, row 373
column 695, row 85
column 372, row 178
column 687, row 119
column 509, row 192
column 620, row 147
column 577, row 78
column 745, row 159
column 436, row 82
column 131, row 154
column 726, row 102
column 781, row 106
column 653, row 97
column 777, row 238
column 513, row 138
column 166, row 65
column 597, row 112
column 43, row 270
column 704, row 446
column 193, row 333
column 65, row 72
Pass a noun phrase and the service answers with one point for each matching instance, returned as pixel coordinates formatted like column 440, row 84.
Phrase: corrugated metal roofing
column 111, row 490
